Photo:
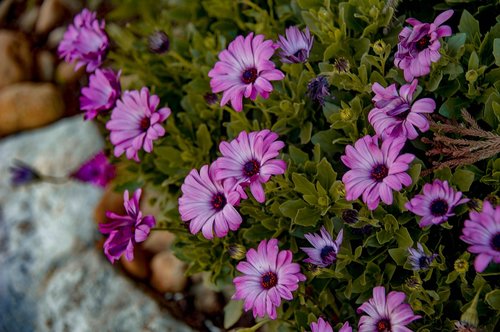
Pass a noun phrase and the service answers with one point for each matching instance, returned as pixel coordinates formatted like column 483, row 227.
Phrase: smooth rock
column 27, row 19
column 110, row 201
column 4, row 9
column 158, row 241
column 168, row 273
column 51, row 14
column 45, row 65
column 65, row 73
column 55, row 37
column 16, row 58
column 206, row 300
column 139, row 266
column 29, row 105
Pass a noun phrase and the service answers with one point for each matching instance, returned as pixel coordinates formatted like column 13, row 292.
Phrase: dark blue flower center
column 251, row 168
column 328, row 254
column 219, row 201
column 269, row 280
column 350, row 216
column 249, row 75
column 383, row 325
column 423, row 43
column 379, row 172
column 495, row 242
column 439, row 207
column 145, row 123
column 301, row 54
column 423, row 262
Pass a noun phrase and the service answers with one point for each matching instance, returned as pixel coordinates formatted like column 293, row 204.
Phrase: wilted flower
column 98, row 171
column 413, row 283
column 85, row 41
column 325, row 250
column 350, row 216
column 135, row 123
column 419, row 260
column 321, row 326
column 295, row 47
column 375, row 171
column 208, row 205
column 244, row 70
column 250, row 160
column 101, row 94
column 341, row 65
column 461, row 265
column 464, row 327
column 419, row 47
column 395, row 115
column 436, row 204
column 158, row 42
column 318, row 89
column 126, row 231
column 211, row 98
column 482, row 232
column 22, row 173
column 237, row 251
column 268, row 276
column 385, row 314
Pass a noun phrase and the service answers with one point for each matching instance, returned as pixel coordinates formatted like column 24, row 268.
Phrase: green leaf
column 307, row 216
column 493, row 299
column 289, row 208
column 204, row 139
column 232, row 313
column 325, row 174
column 463, row 179
column 384, row 236
column 305, row 133
column 298, row 156
column 469, row 25
column 303, row 185
column 403, row 238
column 496, row 51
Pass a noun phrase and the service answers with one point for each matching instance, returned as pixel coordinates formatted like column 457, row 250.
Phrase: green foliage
column 311, row 194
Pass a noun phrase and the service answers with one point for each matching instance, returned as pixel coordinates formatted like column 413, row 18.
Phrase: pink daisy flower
column 245, row 70
column 322, row 326
column 135, row 123
column 101, row 94
column 98, row 171
column 208, row 205
column 125, row 231
column 85, row 41
column 385, row 314
column 249, row 160
column 419, row 47
column 395, row 115
column 375, row 171
column 436, row 204
column 295, row 47
column 482, row 232
column 268, row 276
column 325, row 250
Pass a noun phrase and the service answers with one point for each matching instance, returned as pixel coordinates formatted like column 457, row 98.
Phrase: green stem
column 310, row 68
column 180, row 58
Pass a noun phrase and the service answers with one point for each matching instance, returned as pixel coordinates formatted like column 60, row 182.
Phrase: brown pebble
column 167, row 273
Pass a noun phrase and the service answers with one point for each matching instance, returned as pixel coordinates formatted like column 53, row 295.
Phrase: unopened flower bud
column 159, row 42
column 379, row 47
column 413, row 283
column 345, row 114
column 350, row 216
column 237, row 251
column 470, row 316
column 341, row 65
column 471, row 76
column 211, row 98
column 461, row 265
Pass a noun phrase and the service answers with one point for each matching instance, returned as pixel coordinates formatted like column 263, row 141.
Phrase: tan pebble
column 167, row 273
column 110, row 201
column 16, row 59
column 139, row 266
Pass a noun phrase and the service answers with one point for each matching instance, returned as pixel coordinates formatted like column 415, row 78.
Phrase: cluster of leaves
column 362, row 34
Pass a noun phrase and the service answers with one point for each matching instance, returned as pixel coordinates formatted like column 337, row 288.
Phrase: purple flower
column 325, row 249
column 419, row 47
column 85, row 41
column 419, row 260
column 482, row 232
column 125, row 231
column 323, row 326
column 245, row 70
column 375, row 171
column 22, row 173
column 295, row 47
column 101, row 94
column 318, row 89
column 97, row 171
column 385, row 314
column 268, row 276
column 208, row 204
column 436, row 204
column 394, row 115
column 135, row 123
column 159, row 42
column 249, row 160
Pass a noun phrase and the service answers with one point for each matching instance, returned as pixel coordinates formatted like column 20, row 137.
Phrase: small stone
column 4, row 9
column 168, row 273
column 55, row 37
column 139, row 266
column 65, row 73
column 206, row 300
column 51, row 14
column 29, row 105
column 17, row 62
column 45, row 65
column 158, row 241
column 110, row 201
column 27, row 20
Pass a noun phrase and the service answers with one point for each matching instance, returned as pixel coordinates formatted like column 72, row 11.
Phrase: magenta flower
column 295, row 47
column 125, row 231
column 268, row 276
column 395, row 115
column 323, row 326
column 249, row 160
column 101, row 94
column 85, row 41
column 98, row 171
column 419, row 47
column 385, row 314
column 135, row 123
column 482, row 232
column 325, row 250
column 436, row 204
column 208, row 204
column 375, row 171
column 318, row 89
column 419, row 260
column 245, row 70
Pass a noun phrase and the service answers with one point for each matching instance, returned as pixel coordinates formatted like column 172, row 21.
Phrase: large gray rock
column 52, row 278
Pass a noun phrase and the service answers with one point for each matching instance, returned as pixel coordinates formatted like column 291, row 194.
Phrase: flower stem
column 310, row 68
